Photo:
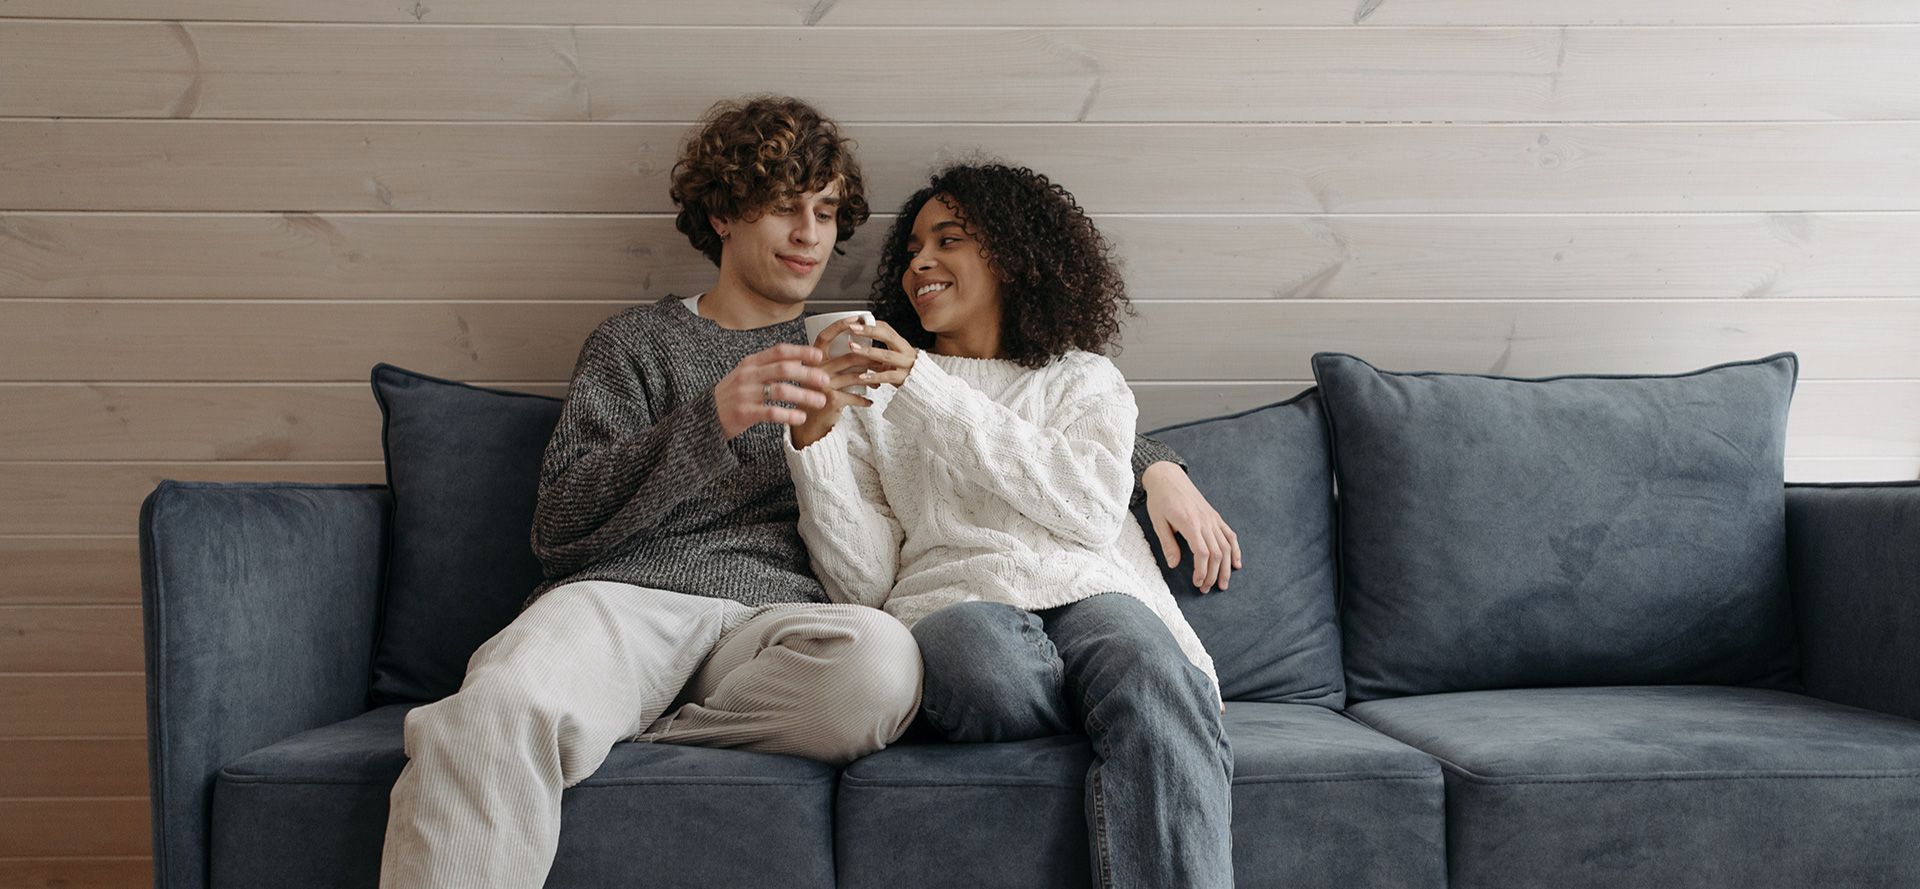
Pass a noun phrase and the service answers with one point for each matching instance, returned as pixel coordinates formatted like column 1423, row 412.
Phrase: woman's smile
column 929, row 290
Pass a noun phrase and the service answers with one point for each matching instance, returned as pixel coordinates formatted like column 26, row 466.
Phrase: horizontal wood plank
column 429, row 72
column 320, row 166
column 63, row 638
column 1864, row 421
column 542, row 257
column 984, row 12
column 1851, row 469
column 105, row 498
column 58, row 705
column 311, row 341
column 307, row 422
column 340, row 421
column 71, row 767
column 76, row 873
column 51, row 827
column 69, row 570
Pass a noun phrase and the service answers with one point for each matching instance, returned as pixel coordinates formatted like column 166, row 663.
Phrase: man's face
column 780, row 254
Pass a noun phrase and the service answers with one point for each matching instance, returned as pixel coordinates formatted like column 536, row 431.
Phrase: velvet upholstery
column 1581, row 530
column 1698, row 786
column 1318, row 801
column 463, row 463
column 1273, row 633
column 1853, row 560
column 261, row 605
column 311, row 811
column 258, row 604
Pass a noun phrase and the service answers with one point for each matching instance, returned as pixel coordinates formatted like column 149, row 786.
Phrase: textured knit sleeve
column 614, row 468
column 852, row 535
column 1146, row 452
column 1072, row 475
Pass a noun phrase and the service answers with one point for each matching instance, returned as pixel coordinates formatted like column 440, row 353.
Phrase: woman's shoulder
column 1090, row 368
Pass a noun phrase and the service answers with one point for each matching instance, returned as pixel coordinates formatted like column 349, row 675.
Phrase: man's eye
column 825, row 217
column 783, row 209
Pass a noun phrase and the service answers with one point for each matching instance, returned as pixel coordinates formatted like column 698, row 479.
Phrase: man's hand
column 1175, row 505
column 789, row 373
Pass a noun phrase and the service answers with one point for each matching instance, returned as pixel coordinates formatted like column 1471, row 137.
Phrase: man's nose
column 808, row 231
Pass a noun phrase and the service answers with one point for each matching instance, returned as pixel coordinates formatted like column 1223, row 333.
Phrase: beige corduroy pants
column 595, row 662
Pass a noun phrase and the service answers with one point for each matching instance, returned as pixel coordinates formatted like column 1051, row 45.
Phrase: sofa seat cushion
column 1696, row 786
column 1318, row 801
column 312, row 811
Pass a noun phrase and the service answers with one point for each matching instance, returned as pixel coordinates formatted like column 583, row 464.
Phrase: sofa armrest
column 1853, row 561
column 260, row 603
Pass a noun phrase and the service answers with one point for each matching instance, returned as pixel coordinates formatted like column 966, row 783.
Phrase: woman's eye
column 947, row 241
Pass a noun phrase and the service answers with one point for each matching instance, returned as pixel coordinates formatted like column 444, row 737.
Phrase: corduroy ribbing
column 597, row 662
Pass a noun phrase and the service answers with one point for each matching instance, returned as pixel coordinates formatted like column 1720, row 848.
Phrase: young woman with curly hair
column 981, row 496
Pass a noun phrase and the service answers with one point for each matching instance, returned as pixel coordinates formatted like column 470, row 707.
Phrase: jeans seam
column 1103, row 848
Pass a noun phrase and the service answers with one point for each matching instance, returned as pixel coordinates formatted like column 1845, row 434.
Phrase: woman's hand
column 891, row 364
column 840, row 373
column 1174, row 505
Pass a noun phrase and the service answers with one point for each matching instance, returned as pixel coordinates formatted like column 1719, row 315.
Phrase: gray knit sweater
column 640, row 485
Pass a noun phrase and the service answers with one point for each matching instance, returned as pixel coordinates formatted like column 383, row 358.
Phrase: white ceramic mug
column 818, row 323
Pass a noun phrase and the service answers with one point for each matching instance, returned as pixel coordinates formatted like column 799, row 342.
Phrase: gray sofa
column 1568, row 632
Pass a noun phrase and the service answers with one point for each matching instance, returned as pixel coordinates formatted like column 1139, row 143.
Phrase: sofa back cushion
column 1580, row 530
column 1272, row 633
column 463, row 464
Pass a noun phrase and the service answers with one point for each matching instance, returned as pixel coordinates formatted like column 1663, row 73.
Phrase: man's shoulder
column 636, row 323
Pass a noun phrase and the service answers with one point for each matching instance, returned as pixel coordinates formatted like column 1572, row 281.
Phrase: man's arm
column 613, row 468
column 1175, row 506
column 1146, row 452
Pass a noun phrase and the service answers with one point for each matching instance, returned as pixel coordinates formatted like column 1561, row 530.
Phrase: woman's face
column 952, row 286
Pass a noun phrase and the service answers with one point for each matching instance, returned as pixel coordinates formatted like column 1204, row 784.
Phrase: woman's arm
column 851, row 533
column 1073, row 475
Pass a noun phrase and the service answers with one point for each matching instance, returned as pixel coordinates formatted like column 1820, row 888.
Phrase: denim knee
column 991, row 673
column 1128, row 650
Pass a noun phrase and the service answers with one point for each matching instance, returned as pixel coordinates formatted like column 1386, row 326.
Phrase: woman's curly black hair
column 1062, row 288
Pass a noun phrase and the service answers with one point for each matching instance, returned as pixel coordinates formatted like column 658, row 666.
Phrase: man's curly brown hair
column 1061, row 288
column 749, row 154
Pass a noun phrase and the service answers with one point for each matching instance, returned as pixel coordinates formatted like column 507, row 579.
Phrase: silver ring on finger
column 766, row 392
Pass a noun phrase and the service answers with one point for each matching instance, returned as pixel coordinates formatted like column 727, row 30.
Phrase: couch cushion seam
column 590, row 783
column 1682, row 777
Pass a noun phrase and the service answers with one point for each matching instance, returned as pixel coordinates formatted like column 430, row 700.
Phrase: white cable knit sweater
column 979, row 479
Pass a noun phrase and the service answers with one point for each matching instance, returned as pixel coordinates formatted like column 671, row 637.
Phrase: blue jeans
column 1159, row 811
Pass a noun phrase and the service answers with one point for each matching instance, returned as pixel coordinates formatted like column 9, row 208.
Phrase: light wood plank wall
column 216, row 215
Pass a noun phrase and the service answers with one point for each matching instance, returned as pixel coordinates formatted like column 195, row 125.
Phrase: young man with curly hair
column 679, row 604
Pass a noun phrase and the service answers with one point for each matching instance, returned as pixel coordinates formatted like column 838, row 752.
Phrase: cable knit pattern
column 979, row 479
column 640, row 485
